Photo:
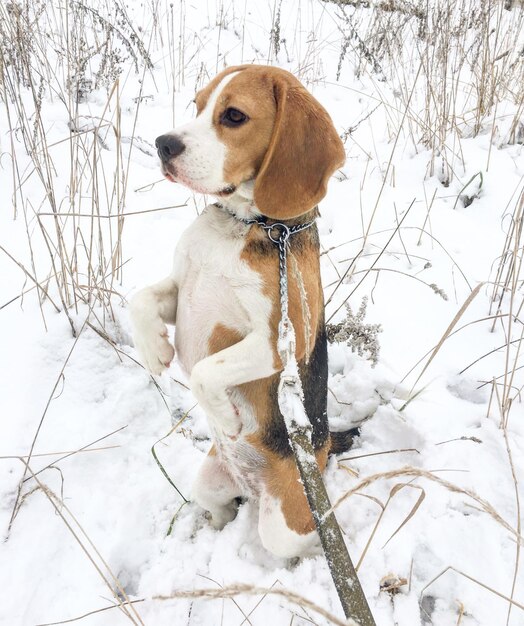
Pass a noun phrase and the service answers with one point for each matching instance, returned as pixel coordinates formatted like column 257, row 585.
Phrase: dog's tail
column 343, row 440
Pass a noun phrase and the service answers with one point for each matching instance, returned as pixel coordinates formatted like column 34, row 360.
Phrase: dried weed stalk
column 359, row 336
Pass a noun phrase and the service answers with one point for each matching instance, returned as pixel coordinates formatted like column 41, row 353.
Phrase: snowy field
column 425, row 220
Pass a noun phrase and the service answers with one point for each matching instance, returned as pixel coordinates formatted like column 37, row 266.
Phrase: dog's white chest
column 213, row 282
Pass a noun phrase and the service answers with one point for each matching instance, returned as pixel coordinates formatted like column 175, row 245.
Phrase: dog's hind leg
column 285, row 535
column 215, row 490
column 286, row 526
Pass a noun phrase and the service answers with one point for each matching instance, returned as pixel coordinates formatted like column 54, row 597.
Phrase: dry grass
column 49, row 55
column 484, row 505
column 465, row 59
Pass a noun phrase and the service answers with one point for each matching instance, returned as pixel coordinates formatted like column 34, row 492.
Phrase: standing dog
column 265, row 148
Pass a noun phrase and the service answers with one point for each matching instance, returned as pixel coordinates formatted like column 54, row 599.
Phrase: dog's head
column 258, row 133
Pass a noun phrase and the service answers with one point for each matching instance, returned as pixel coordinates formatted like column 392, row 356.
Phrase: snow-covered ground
column 106, row 517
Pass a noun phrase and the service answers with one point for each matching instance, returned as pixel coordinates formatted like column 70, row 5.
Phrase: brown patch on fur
column 282, row 481
column 258, row 394
column 221, row 338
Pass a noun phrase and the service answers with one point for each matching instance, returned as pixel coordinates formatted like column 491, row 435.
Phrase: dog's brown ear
column 303, row 153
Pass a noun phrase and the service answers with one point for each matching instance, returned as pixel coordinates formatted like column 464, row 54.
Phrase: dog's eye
column 233, row 117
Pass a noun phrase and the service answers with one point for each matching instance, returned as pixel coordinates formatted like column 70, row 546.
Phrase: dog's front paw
column 151, row 341
column 213, row 397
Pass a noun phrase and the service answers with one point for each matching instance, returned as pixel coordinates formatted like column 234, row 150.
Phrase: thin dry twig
column 448, row 331
column 85, row 448
column 234, row 590
column 477, row 582
column 392, row 494
column 84, row 615
column 416, row 472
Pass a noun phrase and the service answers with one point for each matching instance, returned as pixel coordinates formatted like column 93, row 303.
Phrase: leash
column 286, row 332
column 290, row 392
column 299, row 429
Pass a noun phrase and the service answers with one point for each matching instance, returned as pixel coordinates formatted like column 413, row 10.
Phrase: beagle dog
column 265, row 148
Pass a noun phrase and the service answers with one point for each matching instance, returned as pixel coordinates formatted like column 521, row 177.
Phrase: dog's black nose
column 169, row 146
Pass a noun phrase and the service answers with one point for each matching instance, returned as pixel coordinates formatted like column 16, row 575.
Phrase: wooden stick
column 299, row 429
column 342, row 571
